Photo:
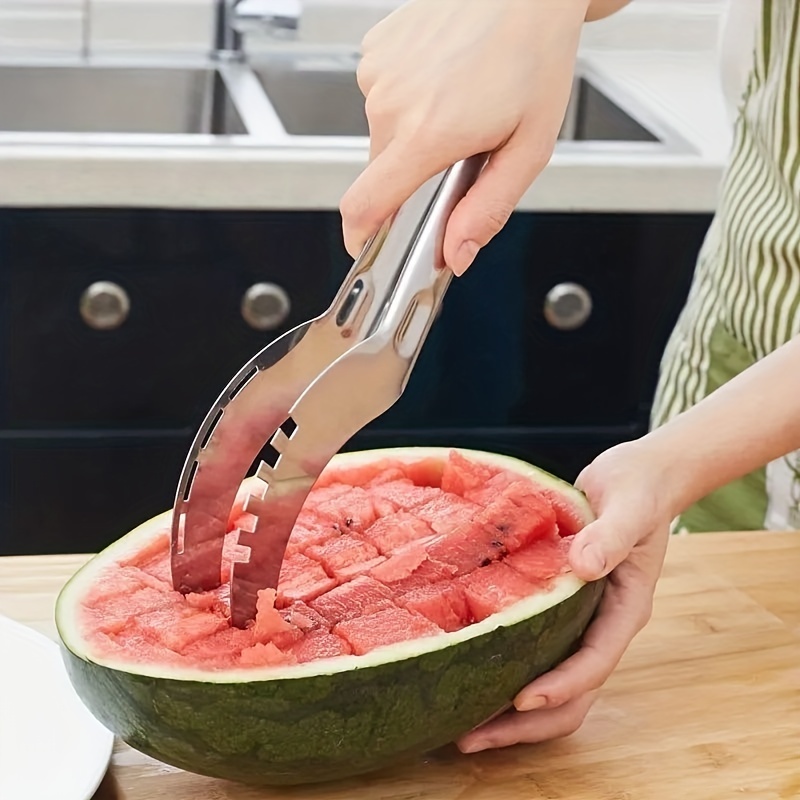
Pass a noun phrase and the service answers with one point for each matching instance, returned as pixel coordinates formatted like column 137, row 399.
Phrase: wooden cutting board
column 704, row 706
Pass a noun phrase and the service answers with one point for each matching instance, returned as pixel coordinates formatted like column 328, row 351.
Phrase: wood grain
column 704, row 706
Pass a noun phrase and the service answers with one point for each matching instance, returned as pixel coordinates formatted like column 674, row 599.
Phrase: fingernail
column 472, row 747
column 465, row 255
column 593, row 559
column 530, row 703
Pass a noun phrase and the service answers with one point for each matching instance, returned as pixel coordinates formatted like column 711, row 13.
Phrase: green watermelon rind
column 336, row 718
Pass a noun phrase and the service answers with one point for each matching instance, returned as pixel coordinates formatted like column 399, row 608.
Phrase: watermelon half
column 421, row 590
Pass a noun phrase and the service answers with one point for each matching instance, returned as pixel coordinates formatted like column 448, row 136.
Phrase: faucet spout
column 278, row 19
column 227, row 39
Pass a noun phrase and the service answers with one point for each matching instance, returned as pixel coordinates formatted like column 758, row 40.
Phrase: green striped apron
column 745, row 297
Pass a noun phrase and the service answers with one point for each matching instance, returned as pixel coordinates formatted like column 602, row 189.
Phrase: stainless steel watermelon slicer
column 307, row 393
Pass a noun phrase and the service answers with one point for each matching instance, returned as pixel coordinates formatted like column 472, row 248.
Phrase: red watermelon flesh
column 304, row 617
column 484, row 493
column 426, row 574
column 404, row 494
column 493, row 588
column 516, row 525
column 306, row 534
column 446, row 512
column 388, row 475
column 354, row 511
column 302, row 578
column 394, row 530
column 177, row 631
column 343, row 557
column 358, row 597
column 272, row 626
column 425, row 472
column 460, row 476
column 124, row 581
column 359, row 474
column 543, row 561
column 568, row 520
column 412, row 550
column 264, row 655
column 402, row 563
column 118, row 611
column 444, row 603
column 320, row 644
column 387, row 626
column 221, row 650
column 472, row 545
column 422, row 472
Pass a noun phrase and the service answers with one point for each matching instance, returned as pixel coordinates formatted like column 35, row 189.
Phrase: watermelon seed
column 486, row 562
column 348, row 522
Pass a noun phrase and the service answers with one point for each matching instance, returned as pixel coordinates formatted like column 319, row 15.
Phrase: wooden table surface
column 704, row 706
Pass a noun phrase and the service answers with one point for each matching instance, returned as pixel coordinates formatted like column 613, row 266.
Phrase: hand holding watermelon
column 635, row 490
column 627, row 542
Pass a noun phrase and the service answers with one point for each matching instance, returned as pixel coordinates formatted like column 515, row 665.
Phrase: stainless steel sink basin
column 116, row 99
column 300, row 98
column 593, row 117
column 314, row 95
column 317, row 95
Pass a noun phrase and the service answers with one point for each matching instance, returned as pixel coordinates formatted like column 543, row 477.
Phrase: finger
column 529, row 727
column 384, row 185
column 605, row 543
column 485, row 209
column 623, row 612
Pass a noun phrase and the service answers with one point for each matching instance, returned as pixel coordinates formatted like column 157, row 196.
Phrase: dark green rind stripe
column 329, row 727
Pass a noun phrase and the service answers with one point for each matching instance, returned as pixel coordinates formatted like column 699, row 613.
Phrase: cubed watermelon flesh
column 381, row 553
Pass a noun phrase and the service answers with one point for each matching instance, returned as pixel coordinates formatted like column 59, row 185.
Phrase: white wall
column 50, row 25
column 185, row 25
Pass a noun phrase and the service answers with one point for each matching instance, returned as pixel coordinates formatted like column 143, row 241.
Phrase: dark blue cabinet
column 94, row 424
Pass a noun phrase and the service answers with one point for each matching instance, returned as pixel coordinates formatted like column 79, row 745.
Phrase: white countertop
column 677, row 79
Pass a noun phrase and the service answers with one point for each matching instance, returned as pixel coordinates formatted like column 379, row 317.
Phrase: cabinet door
column 175, row 322
column 561, row 322
column 77, row 494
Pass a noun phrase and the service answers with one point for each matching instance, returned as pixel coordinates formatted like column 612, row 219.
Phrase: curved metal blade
column 229, row 441
column 323, row 420
column 258, row 398
column 256, row 404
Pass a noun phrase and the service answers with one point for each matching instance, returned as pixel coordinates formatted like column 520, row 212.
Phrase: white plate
column 51, row 747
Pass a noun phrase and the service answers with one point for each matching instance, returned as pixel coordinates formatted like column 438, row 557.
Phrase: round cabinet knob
column 104, row 305
column 567, row 306
column 265, row 306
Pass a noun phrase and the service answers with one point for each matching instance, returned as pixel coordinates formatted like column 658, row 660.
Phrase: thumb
column 392, row 176
column 489, row 203
column 603, row 544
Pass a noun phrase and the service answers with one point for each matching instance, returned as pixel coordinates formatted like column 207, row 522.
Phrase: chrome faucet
column 278, row 19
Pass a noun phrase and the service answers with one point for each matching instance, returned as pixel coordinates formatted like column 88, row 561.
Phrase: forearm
column 743, row 425
column 599, row 9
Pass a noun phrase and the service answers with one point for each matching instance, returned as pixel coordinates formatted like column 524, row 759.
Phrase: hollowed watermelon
column 396, row 627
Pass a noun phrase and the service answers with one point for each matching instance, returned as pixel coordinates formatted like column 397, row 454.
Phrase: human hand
column 448, row 79
column 627, row 542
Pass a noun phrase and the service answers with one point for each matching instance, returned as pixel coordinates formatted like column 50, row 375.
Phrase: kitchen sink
column 84, row 98
column 296, row 97
column 314, row 94
column 317, row 95
column 592, row 117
